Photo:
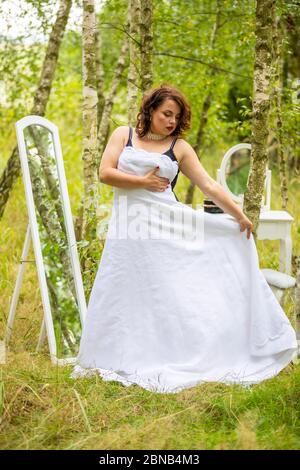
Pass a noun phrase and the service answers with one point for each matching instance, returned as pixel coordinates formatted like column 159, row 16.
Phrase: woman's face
column 164, row 119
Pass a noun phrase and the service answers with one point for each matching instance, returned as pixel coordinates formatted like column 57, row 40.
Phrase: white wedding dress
column 169, row 313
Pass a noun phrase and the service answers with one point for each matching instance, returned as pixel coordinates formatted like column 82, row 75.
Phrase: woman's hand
column 152, row 182
column 245, row 224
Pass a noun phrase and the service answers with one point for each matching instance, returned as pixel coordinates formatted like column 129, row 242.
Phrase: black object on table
column 210, row 206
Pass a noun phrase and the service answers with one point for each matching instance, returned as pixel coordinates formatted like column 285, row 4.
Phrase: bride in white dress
column 178, row 298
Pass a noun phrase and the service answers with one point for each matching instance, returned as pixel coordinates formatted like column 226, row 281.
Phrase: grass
column 45, row 409
column 42, row 408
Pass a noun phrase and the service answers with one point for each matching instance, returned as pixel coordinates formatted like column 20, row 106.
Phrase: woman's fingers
column 164, row 180
column 247, row 227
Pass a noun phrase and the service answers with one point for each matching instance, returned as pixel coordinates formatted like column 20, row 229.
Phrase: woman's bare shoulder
column 181, row 148
column 182, row 143
column 121, row 132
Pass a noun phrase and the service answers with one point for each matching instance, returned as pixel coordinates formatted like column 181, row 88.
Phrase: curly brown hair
column 152, row 99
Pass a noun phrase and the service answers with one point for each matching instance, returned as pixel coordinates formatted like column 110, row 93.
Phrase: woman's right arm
column 109, row 174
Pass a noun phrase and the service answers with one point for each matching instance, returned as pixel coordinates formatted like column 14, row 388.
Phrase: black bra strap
column 129, row 141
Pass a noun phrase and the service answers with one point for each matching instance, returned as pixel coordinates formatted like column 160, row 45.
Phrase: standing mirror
column 53, row 236
column 237, row 170
column 233, row 174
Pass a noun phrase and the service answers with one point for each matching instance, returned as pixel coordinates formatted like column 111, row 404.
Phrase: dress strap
column 129, row 141
column 170, row 151
column 173, row 143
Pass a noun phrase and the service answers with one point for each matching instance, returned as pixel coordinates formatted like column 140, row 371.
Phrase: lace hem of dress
column 231, row 378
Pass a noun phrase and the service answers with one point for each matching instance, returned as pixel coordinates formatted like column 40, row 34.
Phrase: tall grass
column 45, row 409
column 42, row 408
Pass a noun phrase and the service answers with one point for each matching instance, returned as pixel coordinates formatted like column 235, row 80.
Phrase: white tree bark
column 99, row 77
column 109, row 101
column 90, row 100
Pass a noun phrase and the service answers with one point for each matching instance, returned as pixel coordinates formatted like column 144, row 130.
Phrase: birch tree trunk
column 109, row 101
column 277, row 63
column 90, row 99
column 146, row 44
column 50, row 223
column 49, row 173
column 103, row 128
column 99, row 78
column 206, row 103
column 78, row 220
column 261, row 105
column 134, row 15
column 13, row 167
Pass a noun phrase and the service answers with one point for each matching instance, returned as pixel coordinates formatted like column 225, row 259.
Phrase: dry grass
column 42, row 408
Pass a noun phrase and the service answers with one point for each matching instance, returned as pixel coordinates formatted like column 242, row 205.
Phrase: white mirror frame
column 20, row 126
column 221, row 178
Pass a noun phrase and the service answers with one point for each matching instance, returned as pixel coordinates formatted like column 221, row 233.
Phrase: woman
column 179, row 298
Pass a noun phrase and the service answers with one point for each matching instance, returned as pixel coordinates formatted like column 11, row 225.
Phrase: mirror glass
column 57, row 261
column 237, row 170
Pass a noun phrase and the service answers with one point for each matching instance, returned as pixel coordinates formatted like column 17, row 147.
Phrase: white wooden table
column 273, row 225
column 277, row 225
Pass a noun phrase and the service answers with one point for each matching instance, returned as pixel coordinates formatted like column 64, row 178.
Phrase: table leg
column 285, row 255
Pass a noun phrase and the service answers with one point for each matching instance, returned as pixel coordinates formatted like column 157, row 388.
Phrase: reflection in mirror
column 57, row 261
column 237, row 170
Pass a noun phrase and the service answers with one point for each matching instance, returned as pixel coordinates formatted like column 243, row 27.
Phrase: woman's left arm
column 193, row 169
